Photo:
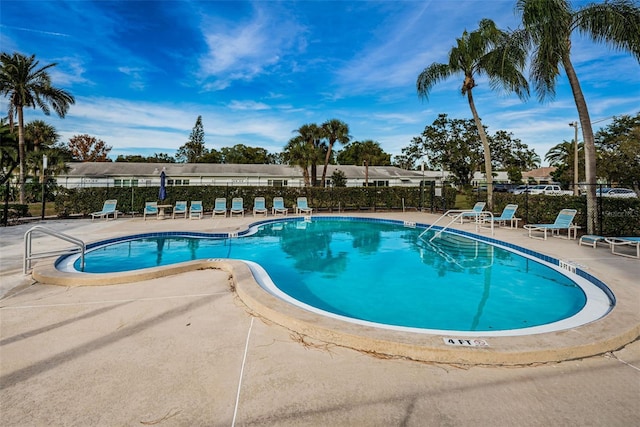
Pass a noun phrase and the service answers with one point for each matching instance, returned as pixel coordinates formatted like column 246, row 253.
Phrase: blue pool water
column 377, row 271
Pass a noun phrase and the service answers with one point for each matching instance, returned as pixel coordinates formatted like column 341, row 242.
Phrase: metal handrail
column 459, row 214
column 28, row 254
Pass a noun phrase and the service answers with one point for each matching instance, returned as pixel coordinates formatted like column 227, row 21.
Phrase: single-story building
column 123, row 174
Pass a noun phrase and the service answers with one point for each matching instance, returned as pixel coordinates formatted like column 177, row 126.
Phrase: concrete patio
column 185, row 350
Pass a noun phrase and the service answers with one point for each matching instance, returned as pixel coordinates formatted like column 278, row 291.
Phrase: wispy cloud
column 241, row 51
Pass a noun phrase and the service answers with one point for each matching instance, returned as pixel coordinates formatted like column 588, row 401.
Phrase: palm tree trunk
column 21, row 153
column 487, row 151
column 589, row 144
column 326, row 164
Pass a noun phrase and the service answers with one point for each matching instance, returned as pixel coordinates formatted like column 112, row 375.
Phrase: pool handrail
column 457, row 214
column 28, row 254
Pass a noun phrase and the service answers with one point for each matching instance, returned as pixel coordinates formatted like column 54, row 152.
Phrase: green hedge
column 86, row 200
column 615, row 217
column 15, row 211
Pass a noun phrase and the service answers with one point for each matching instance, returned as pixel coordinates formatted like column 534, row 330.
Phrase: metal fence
column 613, row 211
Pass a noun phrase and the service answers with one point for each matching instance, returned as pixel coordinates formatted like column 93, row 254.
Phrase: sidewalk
column 184, row 350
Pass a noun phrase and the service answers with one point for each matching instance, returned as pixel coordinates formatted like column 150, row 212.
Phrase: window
column 277, row 183
column 125, row 182
column 173, row 182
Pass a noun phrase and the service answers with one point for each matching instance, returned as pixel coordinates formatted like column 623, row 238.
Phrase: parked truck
column 549, row 189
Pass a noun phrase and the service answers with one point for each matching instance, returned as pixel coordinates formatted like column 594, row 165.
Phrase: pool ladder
column 29, row 255
column 457, row 215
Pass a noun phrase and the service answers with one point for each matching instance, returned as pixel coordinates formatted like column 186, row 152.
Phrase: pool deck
column 186, row 350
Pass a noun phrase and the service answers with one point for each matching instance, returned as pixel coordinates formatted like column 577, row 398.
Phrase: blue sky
column 143, row 71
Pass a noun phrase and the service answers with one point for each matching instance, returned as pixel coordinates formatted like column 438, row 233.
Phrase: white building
column 122, row 174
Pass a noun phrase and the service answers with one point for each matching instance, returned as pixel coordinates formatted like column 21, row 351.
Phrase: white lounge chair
column 195, row 210
column 620, row 242
column 108, row 208
column 237, row 206
column 220, row 207
column 259, row 206
column 150, row 208
column 591, row 240
column 508, row 215
column 564, row 221
column 180, row 209
column 278, row 207
column 474, row 213
column 302, row 207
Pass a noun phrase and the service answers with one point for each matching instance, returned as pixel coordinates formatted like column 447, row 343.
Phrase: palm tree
column 550, row 24
column 26, row 85
column 335, row 131
column 8, row 151
column 486, row 51
column 297, row 152
column 312, row 135
column 39, row 135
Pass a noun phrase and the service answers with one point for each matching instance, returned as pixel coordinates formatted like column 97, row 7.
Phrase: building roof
column 544, row 172
column 126, row 169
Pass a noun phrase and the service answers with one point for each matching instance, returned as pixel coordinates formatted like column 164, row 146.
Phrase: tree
column 8, row 151
column 550, row 24
column 211, row 156
column 86, row 148
column 299, row 153
column 510, row 153
column 452, row 145
column 241, row 154
column 26, row 85
column 562, row 157
column 404, row 161
column 338, row 178
column 39, row 134
column 333, row 130
column 619, row 151
column 486, row 51
column 311, row 134
column 193, row 149
column 357, row 152
column 137, row 158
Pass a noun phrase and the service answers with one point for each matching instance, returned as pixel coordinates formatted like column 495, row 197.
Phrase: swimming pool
column 380, row 273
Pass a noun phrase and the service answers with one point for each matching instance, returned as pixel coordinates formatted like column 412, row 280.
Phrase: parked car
column 548, row 189
column 519, row 189
column 501, row 188
column 624, row 193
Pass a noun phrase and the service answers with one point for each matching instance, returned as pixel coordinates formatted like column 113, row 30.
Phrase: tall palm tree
column 298, row 152
column 550, row 24
column 312, row 134
column 26, row 85
column 486, row 51
column 335, row 131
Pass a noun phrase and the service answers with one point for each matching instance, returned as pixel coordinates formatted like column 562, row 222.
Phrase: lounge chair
column 195, row 210
column 591, row 240
column 508, row 215
column 150, row 208
column 259, row 206
column 302, row 207
column 474, row 213
column 237, row 206
column 278, row 206
column 108, row 208
column 624, row 242
column 180, row 209
column 220, row 207
column 564, row 221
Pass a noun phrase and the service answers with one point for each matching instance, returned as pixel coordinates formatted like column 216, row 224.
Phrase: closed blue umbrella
column 163, row 190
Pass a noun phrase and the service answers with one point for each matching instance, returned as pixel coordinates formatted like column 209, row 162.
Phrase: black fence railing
column 615, row 211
